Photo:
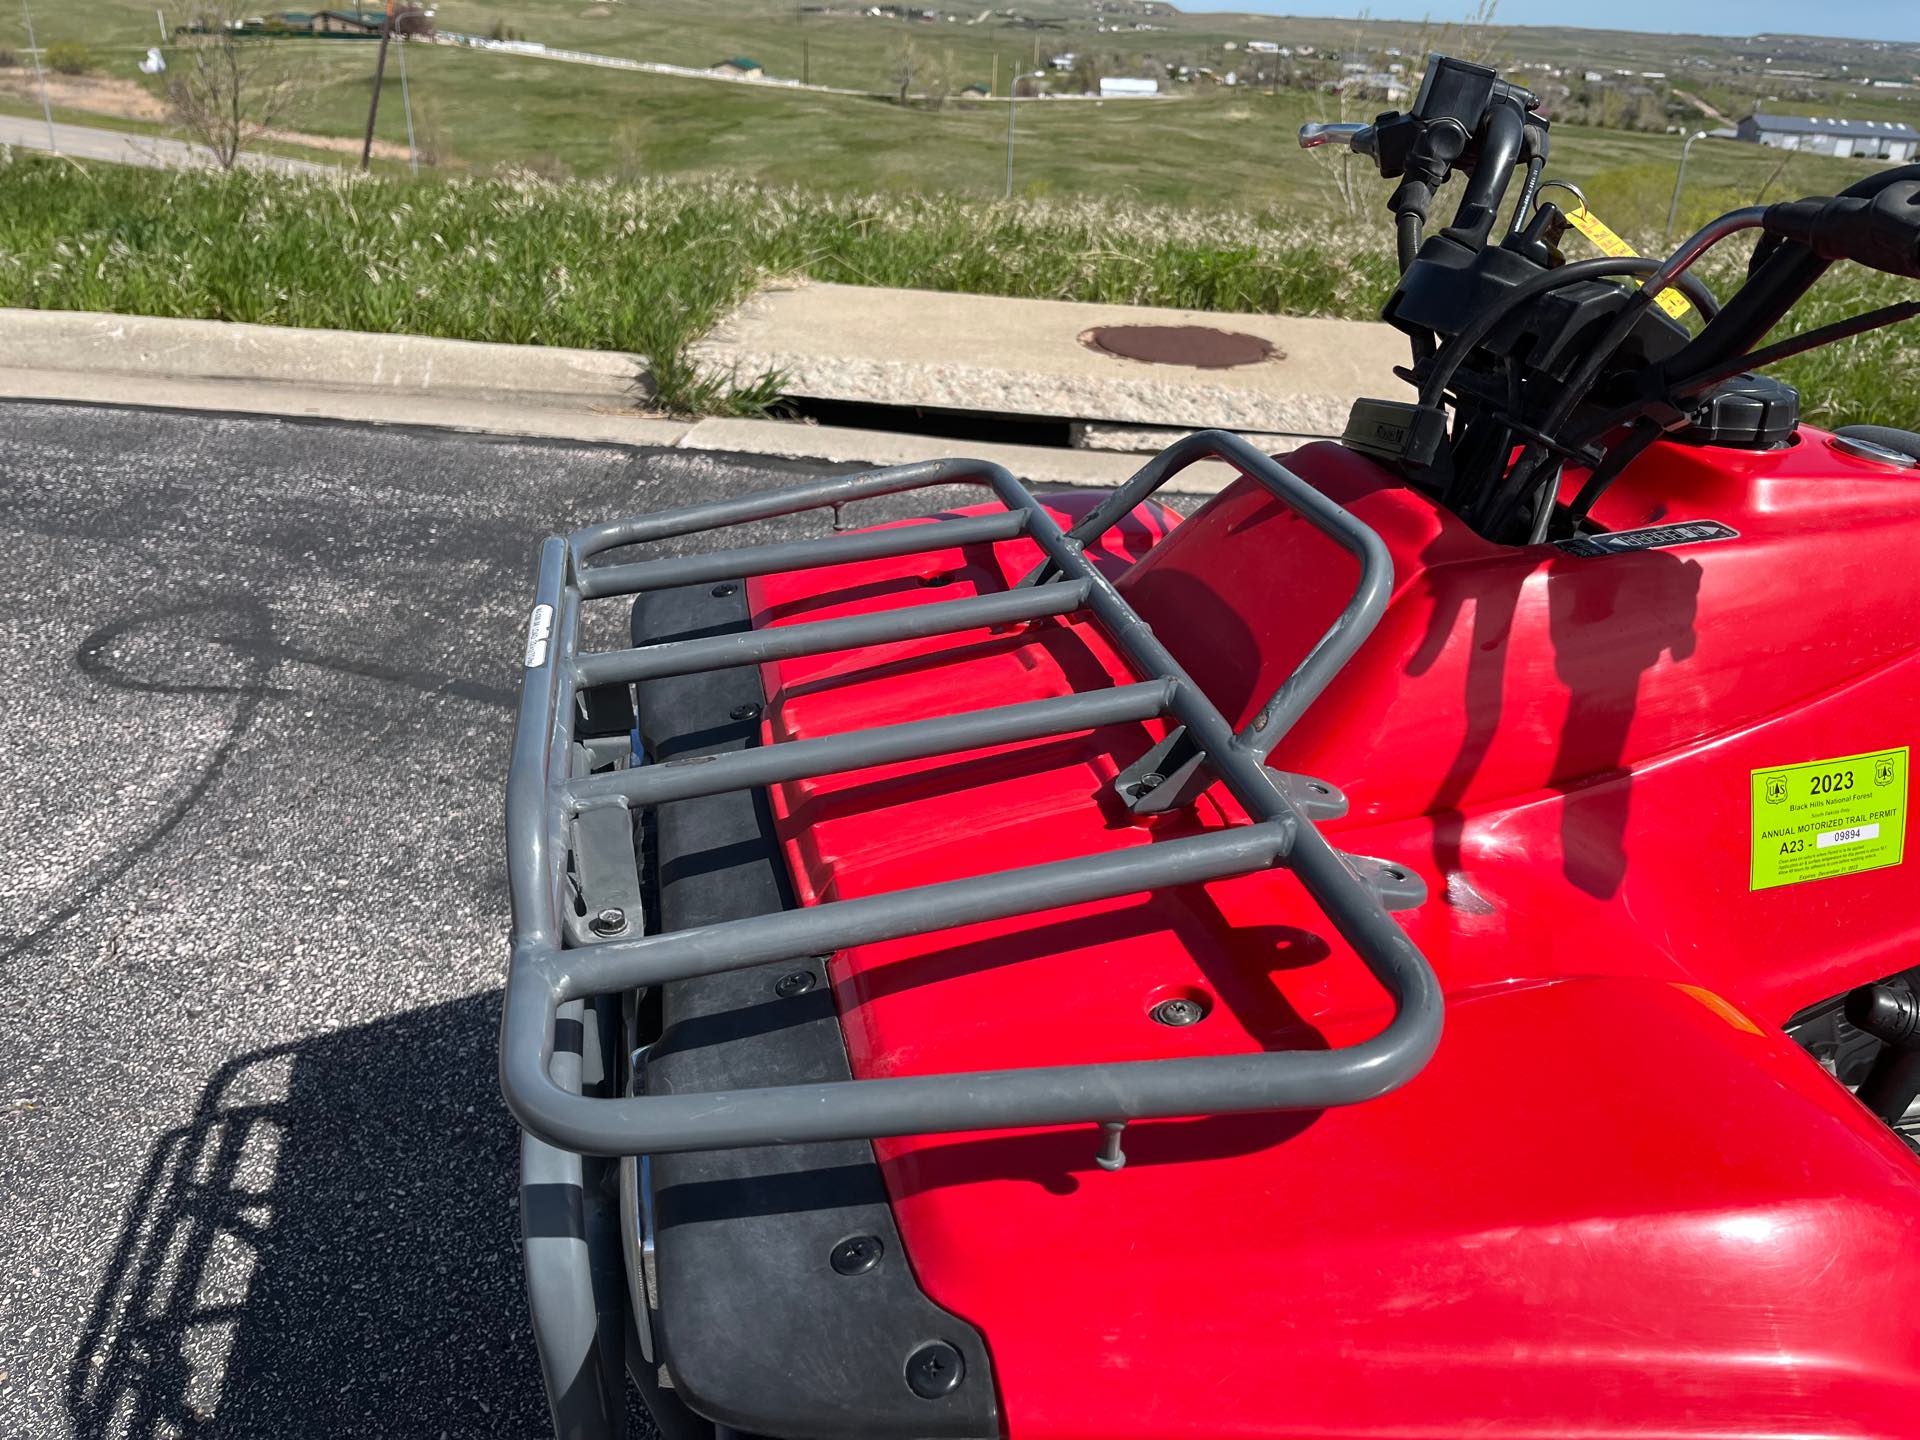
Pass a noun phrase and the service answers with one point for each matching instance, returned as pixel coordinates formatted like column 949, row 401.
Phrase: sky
column 1863, row 19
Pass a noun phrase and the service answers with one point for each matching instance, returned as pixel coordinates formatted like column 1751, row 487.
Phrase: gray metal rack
column 552, row 800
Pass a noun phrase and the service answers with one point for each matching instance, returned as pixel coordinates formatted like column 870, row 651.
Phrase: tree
column 904, row 65
column 915, row 73
column 225, row 89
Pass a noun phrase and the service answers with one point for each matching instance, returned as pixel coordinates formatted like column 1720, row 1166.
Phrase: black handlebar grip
column 1881, row 231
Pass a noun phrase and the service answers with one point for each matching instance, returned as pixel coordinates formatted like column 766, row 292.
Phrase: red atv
column 1019, row 1009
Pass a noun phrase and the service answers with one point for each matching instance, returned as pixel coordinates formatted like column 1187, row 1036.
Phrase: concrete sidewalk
column 1033, row 358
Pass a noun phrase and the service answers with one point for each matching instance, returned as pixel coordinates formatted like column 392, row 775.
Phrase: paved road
column 87, row 142
column 257, row 1178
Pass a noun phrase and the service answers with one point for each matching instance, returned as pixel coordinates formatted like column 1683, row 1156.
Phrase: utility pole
column 406, row 103
column 161, row 18
column 379, row 74
column 40, row 75
column 806, row 65
column 1673, row 207
column 994, row 88
column 1013, row 100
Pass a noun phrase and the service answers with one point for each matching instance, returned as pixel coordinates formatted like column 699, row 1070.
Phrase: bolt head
column 935, row 1370
column 1178, row 1012
column 1146, row 784
column 610, row 921
column 798, row 983
column 724, row 589
column 745, row 712
column 856, row 1255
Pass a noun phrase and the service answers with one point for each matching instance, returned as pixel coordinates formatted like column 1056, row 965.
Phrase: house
column 348, row 22
column 1380, row 82
column 1874, row 139
column 1263, row 47
column 1126, row 87
column 331, row 24
column 976, row 91
column 740, row 67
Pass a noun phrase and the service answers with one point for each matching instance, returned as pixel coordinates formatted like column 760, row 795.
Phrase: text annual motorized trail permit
column 1828, row 817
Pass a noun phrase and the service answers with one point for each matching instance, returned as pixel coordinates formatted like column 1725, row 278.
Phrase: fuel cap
column 1862, row 449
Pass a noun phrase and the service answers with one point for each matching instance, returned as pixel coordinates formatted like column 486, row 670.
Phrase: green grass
column 1228, row 152
column 649, row 266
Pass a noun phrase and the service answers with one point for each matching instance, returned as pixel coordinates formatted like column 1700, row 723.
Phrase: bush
column 67, row 58
column 7, row 58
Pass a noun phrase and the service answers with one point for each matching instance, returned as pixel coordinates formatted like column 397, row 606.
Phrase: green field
column 1227, row 150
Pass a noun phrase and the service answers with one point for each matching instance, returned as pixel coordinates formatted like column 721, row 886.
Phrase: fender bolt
column 856, row 1255
column 745, row 712
column 935, row 1370
column 798, row 983
column 1178, row 1012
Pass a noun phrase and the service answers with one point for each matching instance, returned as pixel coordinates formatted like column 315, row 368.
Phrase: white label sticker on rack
column 539, row 628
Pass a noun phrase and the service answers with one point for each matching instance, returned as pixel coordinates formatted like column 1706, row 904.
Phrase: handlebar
column 1357, row 138
column 1881, row 231
column 1494, row 427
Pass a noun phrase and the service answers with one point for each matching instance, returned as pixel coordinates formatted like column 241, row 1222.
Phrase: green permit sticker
column 1828, row 817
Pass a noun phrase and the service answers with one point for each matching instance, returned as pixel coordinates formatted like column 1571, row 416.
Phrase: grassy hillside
column 1228, row 150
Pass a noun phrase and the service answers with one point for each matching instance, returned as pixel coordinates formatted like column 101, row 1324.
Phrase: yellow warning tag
column 1608, row 243
column 1828, row 817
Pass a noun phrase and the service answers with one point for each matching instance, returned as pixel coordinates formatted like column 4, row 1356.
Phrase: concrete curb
column 136, row 345
column 524, row 392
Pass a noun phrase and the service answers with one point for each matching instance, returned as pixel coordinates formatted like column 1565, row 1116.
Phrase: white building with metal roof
column 1875, row 139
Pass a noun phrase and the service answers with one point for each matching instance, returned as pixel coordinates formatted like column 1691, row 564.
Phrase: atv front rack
column 552, row 800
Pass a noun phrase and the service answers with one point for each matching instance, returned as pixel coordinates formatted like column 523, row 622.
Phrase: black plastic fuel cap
column 1747, row 412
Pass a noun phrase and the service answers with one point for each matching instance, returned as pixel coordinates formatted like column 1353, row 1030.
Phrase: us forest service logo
column 1882, row 771
column 1777, row 787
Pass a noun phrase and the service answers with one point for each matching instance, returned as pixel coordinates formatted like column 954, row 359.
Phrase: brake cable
column 1457, row 348
column 1583, row 377
column 1646, row 430
column 1675, row 265
column 1700, row 380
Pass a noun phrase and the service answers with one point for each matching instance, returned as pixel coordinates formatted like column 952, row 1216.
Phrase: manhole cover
column 1200, row 346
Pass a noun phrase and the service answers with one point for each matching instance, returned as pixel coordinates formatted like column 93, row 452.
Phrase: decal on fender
column 1652, row 537
column 1828, row 817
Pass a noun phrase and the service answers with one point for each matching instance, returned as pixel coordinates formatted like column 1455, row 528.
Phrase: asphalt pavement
column 257, row 678
column 122, row 147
